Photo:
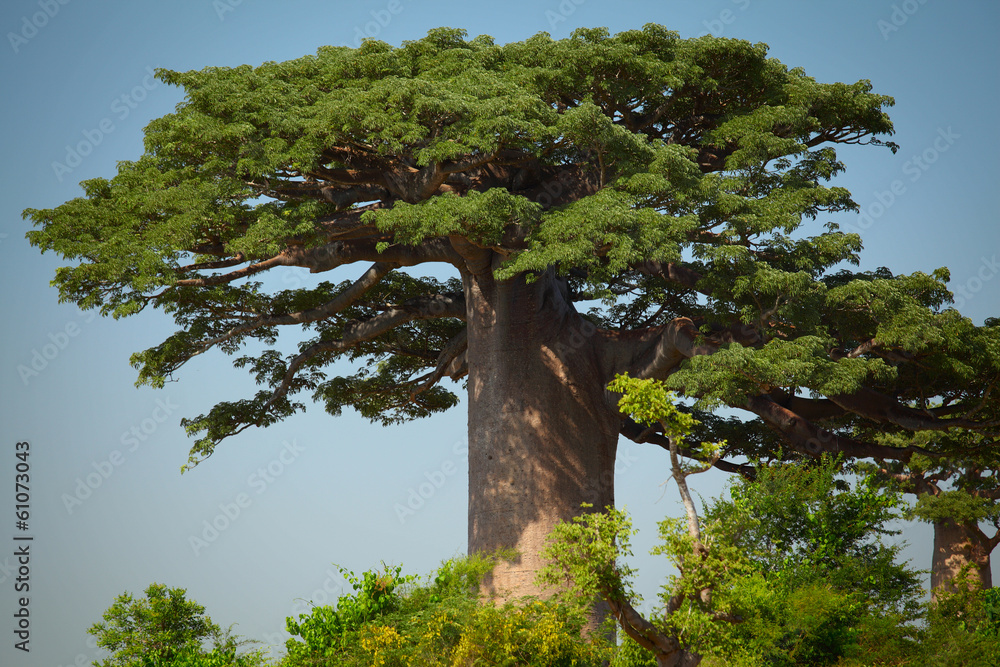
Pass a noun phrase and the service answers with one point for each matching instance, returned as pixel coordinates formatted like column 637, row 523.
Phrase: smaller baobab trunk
column 960, row 550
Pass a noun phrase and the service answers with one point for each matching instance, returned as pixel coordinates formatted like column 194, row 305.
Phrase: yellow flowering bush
column 378, row 643
column 444, row 623
column 538, row 633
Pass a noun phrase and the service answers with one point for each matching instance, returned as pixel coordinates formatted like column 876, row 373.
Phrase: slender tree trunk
column 958, row 546
column 542, row 429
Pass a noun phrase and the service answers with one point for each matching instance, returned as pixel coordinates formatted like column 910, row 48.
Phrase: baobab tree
column 634, row 203
column 957, row 492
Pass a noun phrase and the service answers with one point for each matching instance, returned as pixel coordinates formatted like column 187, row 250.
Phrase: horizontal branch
column 223, row 278
column 880, row 408
column 335, row 254
column 641, row 435
column 220, row 264
column 671, row 272
column 813, row 409
column 656, row 352
column 341, row 252
column 808, row 438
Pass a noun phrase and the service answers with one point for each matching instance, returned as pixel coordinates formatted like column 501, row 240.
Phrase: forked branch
column 369, row 279
column 421, row 308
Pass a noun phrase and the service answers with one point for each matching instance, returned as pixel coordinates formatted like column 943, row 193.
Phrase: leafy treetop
column 667, row 180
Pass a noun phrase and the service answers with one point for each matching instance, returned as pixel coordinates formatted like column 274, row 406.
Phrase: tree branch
column 335, row 254
column 880, row 408
column 655, row 352
column 223, row 278
column 450, row 362
column 422, row 308
column 671, row 272
column 369, row 279
column 642, row 631
column 636, row 433
column 812, row 409
column 807, row 438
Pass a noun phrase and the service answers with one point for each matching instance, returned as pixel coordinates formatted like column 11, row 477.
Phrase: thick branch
column 807, row 438
column 655, row 352
column 450, row 362
column 335, row 254
column 642, row 631
column 878, row 407
column 339, row 253
column 813, row 409
column 672, row 272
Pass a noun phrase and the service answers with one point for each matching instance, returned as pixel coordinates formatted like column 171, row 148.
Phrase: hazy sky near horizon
column 110, row 510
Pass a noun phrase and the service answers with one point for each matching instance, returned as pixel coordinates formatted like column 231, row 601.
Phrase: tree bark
column 543, row 429
column 958, row 546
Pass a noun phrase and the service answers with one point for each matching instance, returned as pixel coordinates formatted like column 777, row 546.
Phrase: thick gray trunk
column 957, row 547
column 542, row 431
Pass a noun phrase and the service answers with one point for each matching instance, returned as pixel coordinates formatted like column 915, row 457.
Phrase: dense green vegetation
column 789, row 567
column 795, row 561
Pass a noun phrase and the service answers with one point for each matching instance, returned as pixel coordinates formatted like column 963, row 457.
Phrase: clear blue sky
column 76, row 72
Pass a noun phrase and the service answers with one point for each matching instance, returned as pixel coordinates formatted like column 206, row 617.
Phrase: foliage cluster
column 688, row 173
column 790, row 569
column 799, row 575
column 440, row 622
column 165, row 628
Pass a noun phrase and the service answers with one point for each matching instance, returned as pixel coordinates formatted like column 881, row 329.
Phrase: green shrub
column 391, row 620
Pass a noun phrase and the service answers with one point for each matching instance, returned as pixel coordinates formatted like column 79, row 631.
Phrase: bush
column 392, row 620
